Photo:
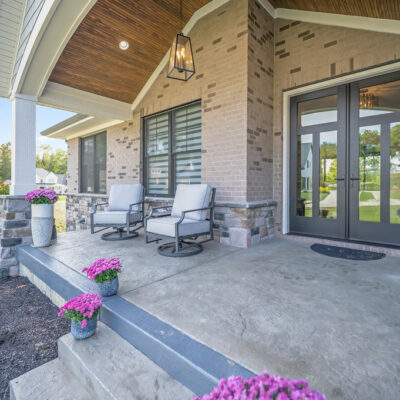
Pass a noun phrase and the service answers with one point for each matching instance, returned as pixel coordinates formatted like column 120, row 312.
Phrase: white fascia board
column 95, row 126
column 344, row 21
column 56, row 23
column 81, row 102
column 203, row 11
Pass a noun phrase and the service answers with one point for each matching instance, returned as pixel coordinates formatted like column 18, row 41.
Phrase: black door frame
column 346, row 226
column 378, row 232
column 299, row 224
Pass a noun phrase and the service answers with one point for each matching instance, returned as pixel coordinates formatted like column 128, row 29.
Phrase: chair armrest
column 98, row 204
column 135, row 204
column 152, row 209
column 189, row 211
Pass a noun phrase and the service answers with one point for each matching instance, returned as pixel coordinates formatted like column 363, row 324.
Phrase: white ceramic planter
column 42, row 224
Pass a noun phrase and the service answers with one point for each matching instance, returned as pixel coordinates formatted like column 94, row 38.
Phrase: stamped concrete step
column 48, row 382
column 111, row 368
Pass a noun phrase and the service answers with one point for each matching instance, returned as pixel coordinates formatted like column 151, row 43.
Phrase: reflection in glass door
column 318, row 137
column 345, row 162
column 375, row 160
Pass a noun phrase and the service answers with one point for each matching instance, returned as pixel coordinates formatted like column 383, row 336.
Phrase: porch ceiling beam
column 345, row 21
column 56, row 23
column 75, row 100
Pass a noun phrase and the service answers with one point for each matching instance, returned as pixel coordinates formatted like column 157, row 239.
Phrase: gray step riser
column 82, row 373
column 196, row 366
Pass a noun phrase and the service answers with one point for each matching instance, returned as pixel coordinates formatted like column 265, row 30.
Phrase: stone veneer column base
column 235, row 224
column 15, row 229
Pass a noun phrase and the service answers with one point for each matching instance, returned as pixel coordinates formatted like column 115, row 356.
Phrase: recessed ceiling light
column 123, row 45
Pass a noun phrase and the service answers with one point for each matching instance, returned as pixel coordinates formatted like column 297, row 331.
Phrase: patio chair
column 183, row 222
column 125, row 210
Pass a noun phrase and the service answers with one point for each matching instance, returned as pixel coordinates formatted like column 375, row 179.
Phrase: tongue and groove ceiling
column 93, row 62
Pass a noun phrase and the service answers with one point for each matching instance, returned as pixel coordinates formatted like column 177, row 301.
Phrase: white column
column 23, row 153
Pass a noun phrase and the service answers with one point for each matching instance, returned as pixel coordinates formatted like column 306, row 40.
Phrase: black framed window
column 172, row 149
column 93, row 163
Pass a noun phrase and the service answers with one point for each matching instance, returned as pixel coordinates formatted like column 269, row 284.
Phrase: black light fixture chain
column 181, row 15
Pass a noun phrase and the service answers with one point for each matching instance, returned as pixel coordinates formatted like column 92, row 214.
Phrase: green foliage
column 49, row 160
column 365, row 196
column 106, row 276
column 5, row 161
column 77, row 316
column 4, row 189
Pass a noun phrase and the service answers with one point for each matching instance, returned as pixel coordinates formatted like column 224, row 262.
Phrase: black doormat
column 348, row 254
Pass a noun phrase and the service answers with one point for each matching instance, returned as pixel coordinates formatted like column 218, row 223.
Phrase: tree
column 5, row 161
column 49, row 160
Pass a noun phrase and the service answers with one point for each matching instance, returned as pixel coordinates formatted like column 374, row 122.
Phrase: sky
column 45, row 117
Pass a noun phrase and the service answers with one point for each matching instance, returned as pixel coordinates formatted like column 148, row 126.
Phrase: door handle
column 355, row 179
column 340, row 179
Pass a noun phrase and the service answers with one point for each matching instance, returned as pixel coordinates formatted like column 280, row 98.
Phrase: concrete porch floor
column 278, row 307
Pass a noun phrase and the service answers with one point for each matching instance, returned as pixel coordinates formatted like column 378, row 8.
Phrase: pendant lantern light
column 181, row 63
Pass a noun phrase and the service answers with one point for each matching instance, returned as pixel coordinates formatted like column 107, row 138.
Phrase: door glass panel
column 395, row 173
column 328, row 175
column 317, row 111
column 379, row 99
column 370, row 173
column 304, row 175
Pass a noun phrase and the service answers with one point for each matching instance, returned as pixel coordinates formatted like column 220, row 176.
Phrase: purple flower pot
column 83, row 333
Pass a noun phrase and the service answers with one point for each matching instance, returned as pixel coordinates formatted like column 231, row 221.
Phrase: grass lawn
column 365, row 196
column 60, row 214
column 308, row 196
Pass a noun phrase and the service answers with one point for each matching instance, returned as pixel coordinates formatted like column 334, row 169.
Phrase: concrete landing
column 278, row 306
column 102, row 367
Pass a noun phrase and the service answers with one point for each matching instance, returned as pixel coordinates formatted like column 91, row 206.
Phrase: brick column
column 15, row 229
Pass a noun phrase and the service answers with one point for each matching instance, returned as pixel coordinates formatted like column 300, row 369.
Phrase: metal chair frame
column 120, row 229
column 181, row 243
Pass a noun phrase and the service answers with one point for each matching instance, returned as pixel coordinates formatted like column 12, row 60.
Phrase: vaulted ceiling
column 389, row 9
column 92, row 60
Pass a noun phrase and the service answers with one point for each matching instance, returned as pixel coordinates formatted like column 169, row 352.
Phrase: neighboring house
column 57, row 182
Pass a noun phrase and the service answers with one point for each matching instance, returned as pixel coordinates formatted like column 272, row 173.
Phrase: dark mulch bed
column 29, row 329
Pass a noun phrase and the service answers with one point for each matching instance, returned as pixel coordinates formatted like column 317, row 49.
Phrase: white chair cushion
column 191, row 197
column 166, row 226
column 121, row 196
column 114, row 217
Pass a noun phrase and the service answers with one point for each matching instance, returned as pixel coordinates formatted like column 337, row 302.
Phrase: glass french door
column 375, row 160
column 345, row 162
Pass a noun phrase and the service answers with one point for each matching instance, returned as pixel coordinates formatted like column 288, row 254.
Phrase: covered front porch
column 279, row 307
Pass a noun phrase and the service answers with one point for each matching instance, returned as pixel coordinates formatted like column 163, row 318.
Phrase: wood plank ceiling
column 389, row 9
column 92, row 60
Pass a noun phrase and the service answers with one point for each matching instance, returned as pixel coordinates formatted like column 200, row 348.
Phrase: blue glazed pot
column 83, row 333
column 109, row 288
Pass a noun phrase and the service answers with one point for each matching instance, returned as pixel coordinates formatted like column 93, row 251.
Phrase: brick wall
column 260, row 103
column 306, row 53
column 220, row 46
column 123, row 154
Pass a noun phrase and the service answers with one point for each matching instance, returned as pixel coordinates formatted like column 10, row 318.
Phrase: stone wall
column 307, row 53
column 15, row 229
column 235, row 224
